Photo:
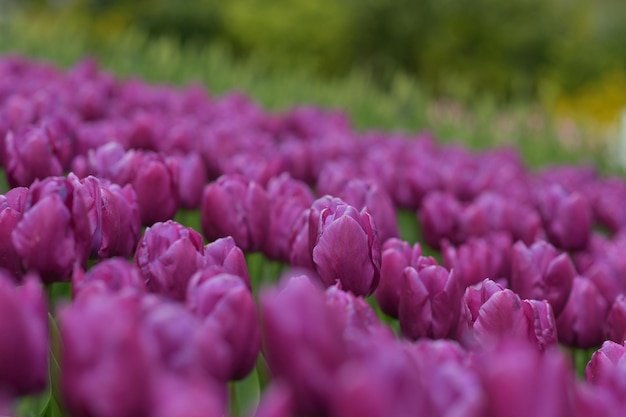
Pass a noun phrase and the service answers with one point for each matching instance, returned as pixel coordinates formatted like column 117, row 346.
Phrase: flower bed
column 299, row 286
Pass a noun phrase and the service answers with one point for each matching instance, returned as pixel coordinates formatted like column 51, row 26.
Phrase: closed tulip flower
column 439, row 216
column 121, row 221
column 581, row 323
column 233, row 207
column 615, row 328
column 192, row 177
column 430, row 303
column 156, row 186
column 397, row 255
column 225, row 256
column 24, row 335
column 11, row 209
column 542, row 272
column 344, row 245
column 225, row 305
column 168, row 255
column 112, row 275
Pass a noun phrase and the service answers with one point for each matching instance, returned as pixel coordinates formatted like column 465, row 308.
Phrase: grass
column 404, row 106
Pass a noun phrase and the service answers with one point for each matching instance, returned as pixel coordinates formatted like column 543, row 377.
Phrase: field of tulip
column 167, row 252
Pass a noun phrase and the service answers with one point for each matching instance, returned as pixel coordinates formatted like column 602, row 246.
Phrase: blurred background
column 499, row 63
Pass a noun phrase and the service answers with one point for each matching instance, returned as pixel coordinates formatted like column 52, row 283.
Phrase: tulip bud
column 439, row 216
column 397, row 255
column 288, row 198
column 615, row 328
column 11, row 209
column 233, row 207
column 168, row 255
column 430, row 303
column 354, row 313
column 541, row 272
column 192, row 177
column 607, row 367
column 24, row 335
column 108, row 370
column 30, row 155
column 492, row 315
column 364, row 194
column 224, row 255
column 121, row 222
column 112, row 275
column 156, row 186
column 303, row 348
column 581, row 322
column 567, row 218
column 53, row 233
column 344, row 245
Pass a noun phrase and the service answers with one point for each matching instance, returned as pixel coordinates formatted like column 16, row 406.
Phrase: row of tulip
column 307, row 190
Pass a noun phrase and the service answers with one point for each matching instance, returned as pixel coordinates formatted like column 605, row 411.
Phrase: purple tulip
column 615, row 328
column 518, row 381
column 233, row 207
column 288, row 198
column 303, row 348
column 581, row 323
column 276, row 401
column 168, row 255
column 439, row 216
column 541, row 272
column 567, row 217
column 121, row 221
column 226, row 306
column 112, row 275
column 397, row 255
column 24, row 335
column 11, row 209
column 300, row 251
column 108, row 370
column 30, row 155
column 54, row 232
column 492, row 315
column 189, row 397
column 364, row 194
column 479, row 258
column 354, row 313
column 192, row 177
column 223, row 255
column 344, row 245
column 430, row 302
column 607, row 198
column 606, row 371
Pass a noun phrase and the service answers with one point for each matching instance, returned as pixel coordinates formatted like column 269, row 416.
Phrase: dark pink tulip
column 344, row 245
column 334, row 177
column 233, row 207
column 606, row 267
column 224, row 255
column 397, row 255
column 121, row 221
column 492, row 315
column 541, row 272
column 354, row 313
column 518, row 381
column 11, row 209
column 108, row 367
column 24, row 335
column 430, row 303
column 156, row 186
column 592, row 400
column 479, row 258
column 168, row 255
column 300, row 251
column 607, row 199
column 615, row 328
column 288, row 198
column 255, row 165
column 192, row 177
column 305, row 347
column 225, row 305
column 54, row 233
column 366, row 194
column 607, row 367
column 439, row 216
column 189, row 397
column 276, row 401
column 30, row 155
column 112, row 275
column 567, row 217
column 581, row 323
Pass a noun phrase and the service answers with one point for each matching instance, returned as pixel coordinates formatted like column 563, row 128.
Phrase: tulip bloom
column 344, row 245
column 233, row 207
column 225, row 256
column 112, row 274
column 11, row 209
column 168, row 255
column 541, row 272
column 439, row 217
column 615, row 328
column 430, row 302
column 24, row 335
